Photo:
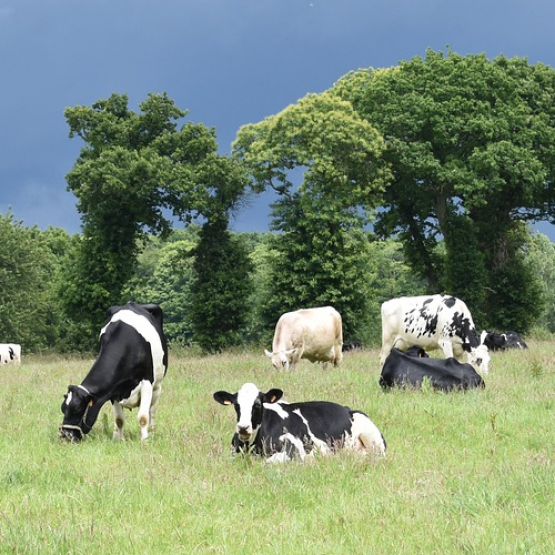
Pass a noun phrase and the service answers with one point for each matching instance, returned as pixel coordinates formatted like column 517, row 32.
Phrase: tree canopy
column 339, row 157
column 136, row 173
column 471, row 144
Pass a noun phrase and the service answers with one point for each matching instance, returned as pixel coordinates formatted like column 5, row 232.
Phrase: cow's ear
column 224, row 398
column 273, row 395
column 267, row 353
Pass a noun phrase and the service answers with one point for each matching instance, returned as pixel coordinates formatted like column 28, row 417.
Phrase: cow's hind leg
column 155, row 397
column 119, row 421
column 145, row 408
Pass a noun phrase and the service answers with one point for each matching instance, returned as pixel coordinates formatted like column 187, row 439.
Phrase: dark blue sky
column 228, row 62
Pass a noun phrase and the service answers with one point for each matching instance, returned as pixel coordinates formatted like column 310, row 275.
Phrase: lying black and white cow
column 403, row 370
column 280, row 431
column 10, row 353
column 501, row 341
column 128, row 372
column 432, row 321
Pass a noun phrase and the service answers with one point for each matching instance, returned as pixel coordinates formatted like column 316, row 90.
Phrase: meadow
column 469, row 473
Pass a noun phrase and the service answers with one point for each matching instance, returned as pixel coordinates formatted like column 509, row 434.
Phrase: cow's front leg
column 447, row 348
column 145, row 407
column 119, row 421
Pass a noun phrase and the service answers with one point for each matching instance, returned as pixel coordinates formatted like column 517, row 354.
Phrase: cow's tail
column 367, row 434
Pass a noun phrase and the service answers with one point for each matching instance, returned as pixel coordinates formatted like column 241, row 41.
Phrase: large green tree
column 322, row 141
column 471, row 143
column 29, row 263
column 135, row 174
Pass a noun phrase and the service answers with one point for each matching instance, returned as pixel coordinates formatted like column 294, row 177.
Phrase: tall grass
column 470, row 473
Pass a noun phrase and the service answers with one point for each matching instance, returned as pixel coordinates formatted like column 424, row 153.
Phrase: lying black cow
column 417, row 351
column 128, row 372
column 402, row 370
column 281, row 431
column 502, row 341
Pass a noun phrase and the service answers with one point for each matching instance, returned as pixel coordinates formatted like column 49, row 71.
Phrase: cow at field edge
column 432, row 322
column 128, row 371
column 315, row 334
column 403, row 370
column 282, row 431
column 502, row 341
column 10, row 353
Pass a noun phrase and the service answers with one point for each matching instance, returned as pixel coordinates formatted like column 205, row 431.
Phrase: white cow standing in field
column 10, row 353
column 315, row 334
column 432, row 322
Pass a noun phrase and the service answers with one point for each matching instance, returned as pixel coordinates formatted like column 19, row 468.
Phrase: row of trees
column 450, row 155
column 34, row 278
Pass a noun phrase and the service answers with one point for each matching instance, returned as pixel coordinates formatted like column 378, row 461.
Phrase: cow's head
column 281, row 360
column 249, row 406
column 76, row 408
column 479, row 358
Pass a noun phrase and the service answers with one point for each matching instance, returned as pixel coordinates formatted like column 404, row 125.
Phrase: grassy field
column 464, row 472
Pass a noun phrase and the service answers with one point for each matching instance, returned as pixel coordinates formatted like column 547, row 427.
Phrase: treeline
column 34, row 266
column 446, row 158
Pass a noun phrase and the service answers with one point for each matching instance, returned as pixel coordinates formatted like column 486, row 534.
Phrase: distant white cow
column 312, row 333
column 10, row 353
column 432, row 322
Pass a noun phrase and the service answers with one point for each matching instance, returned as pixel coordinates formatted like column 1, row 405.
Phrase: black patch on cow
column 449, row 302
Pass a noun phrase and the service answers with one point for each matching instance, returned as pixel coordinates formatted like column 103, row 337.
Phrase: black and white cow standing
column 446, row 374
column 128, row 371
column 10, row 353
column 432, row 322
column 282, row 431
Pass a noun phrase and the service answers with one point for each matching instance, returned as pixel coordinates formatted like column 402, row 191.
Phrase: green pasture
column 469, row 473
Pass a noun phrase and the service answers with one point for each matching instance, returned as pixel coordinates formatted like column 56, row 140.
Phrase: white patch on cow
column 246, row 397
column 278, row 409
column 283, row 456
column 322, row 445
column 147, row 331
column 68, row 398
column 365, row 435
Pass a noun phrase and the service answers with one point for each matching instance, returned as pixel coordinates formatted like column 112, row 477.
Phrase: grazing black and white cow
column 432, row 322
column 10, row 353
column 403, row 370
column 128, row 371
column 280, row 431
column 502, row 341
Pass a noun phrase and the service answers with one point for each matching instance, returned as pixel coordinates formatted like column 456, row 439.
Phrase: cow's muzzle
column 73, row 434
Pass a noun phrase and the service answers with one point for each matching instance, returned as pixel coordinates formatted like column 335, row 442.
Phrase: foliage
column 163, row 276
column 316, row 258
column 29, row 266
column 540, row 257
column 135, row 170
column 468, row 139
column 221, row 288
